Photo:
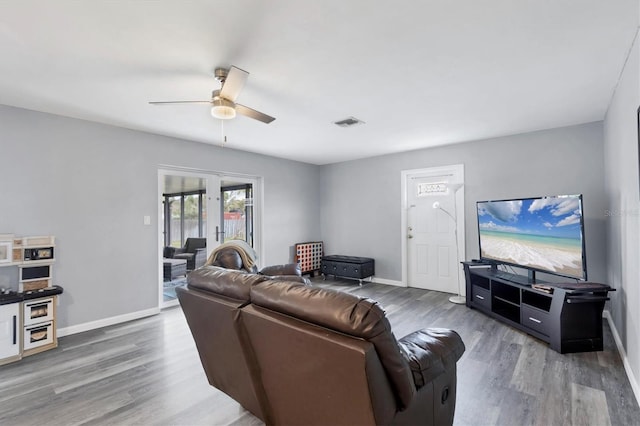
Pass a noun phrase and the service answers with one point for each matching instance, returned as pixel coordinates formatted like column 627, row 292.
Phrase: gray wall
column 623, row 211
column 361, row 200
column 91, row 184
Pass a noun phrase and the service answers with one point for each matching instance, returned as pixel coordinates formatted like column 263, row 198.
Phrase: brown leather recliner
column 316, row 356
column 211, row 305
column 229, row 258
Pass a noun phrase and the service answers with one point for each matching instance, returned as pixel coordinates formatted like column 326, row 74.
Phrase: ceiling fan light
column 223, row 109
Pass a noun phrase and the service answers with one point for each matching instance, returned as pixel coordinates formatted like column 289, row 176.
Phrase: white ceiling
column 419, row 73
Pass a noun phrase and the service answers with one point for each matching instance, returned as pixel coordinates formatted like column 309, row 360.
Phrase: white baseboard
column 623, row 354
column 92, row 325
column 387, row 282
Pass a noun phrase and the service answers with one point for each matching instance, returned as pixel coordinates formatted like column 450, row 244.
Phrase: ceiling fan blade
column 252, row 113
column 179, row 102
column 233, row 83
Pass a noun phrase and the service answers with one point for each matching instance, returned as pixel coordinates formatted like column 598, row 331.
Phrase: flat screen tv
column 541, row 234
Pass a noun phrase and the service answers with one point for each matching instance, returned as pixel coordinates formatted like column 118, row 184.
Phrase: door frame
column 258, row 196
column 456, row 171
column 257, row 189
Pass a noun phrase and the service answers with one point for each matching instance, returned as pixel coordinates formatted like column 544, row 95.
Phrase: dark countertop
column 15, row 297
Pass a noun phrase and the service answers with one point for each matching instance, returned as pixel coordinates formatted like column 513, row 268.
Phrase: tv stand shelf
column 569, row 318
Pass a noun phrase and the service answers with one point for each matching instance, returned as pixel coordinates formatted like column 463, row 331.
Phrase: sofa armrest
column 430, row 352
column 200, row 257
column 288, row 269
column 168, row 252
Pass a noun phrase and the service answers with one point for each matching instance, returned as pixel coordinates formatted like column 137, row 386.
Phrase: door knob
column 218, row 233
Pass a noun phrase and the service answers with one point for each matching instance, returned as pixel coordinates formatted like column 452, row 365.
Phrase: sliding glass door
column 185, row 216
column 207, row 205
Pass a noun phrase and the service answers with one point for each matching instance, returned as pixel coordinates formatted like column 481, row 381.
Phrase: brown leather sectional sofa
column 294, row 354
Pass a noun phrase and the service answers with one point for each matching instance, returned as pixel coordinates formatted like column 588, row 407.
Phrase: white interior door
column 434, row 243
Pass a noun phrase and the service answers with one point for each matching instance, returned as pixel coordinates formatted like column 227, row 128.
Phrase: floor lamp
column 459, row 298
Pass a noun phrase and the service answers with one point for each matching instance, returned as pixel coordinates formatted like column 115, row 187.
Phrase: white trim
column 194, row 171
column 455, row 170
column 387, row 282
column 623, row 355
column 169, row 303
column 258, row 219
column 159, row 235
column 105, row 322
column 258, row 216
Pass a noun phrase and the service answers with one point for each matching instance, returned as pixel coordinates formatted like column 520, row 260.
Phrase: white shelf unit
column 28, row 326
column 35, row 257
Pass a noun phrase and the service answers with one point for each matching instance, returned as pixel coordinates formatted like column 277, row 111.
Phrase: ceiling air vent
column 348, row 122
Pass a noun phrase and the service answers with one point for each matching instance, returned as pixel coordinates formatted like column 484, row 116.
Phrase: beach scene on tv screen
column 540, row 233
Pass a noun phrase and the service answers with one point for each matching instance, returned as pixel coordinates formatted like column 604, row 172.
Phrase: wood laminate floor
column 147, row 372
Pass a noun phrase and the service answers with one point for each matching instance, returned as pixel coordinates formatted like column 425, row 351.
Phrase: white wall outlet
column 147, row 220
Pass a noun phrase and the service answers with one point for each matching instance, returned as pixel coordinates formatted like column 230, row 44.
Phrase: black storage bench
column 348, row 267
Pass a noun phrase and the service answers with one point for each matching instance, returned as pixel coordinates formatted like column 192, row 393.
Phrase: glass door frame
column 213, row 199
column 167, row 211
column 258, row 196
column 248, row 210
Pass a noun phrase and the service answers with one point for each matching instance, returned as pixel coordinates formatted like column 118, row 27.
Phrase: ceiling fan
column 223, row 101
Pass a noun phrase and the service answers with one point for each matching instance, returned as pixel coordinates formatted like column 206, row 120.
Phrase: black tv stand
column 568, row 315
column 530, row 278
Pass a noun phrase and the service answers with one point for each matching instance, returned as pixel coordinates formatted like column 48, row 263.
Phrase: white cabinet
column 9, row 332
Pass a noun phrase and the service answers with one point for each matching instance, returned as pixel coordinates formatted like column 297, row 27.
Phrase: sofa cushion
column 346, row 313
column 230, row 283
column 287, row 269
